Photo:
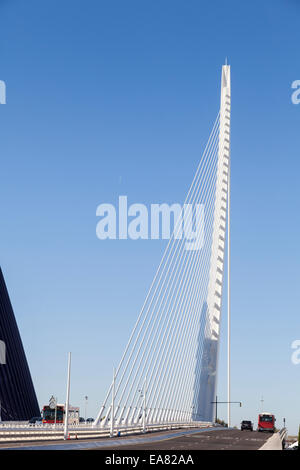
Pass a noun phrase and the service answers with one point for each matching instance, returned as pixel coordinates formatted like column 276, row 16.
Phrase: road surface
column 232, row 439
column 176, row 440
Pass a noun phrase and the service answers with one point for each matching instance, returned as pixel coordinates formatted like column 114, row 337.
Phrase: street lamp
column 216, row 403
column 85, row 407
column 143, row 395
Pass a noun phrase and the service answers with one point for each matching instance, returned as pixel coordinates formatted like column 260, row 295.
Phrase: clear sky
column 109, row 98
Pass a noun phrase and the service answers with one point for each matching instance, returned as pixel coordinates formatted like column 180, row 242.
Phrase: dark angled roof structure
column 17, row 394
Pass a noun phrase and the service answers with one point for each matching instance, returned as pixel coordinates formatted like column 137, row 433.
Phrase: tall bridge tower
column 168, row 372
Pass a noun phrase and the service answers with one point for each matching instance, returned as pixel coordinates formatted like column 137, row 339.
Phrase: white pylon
column 208, row 385
column 175, row 341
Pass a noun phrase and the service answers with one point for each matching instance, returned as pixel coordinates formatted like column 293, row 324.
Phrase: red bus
column 266, row 422
column 57, row 414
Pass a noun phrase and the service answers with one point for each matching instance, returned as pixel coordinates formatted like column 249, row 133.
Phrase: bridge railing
column 27, row 432
column 276, row 441
column 283, row 436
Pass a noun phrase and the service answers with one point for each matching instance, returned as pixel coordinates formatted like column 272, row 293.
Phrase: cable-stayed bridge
column 167, row 376
column 168, row 372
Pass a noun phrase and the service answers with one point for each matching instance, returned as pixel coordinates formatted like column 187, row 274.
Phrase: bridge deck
column 195, row 439
column 232, row 439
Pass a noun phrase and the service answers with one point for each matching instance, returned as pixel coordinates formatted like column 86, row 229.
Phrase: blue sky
column 106, row 98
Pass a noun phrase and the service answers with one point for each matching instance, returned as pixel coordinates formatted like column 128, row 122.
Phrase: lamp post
column 55, row 417
column 85, row 407
column 112, row 414
column 144, row 413
column 142, row 392
column 227, row 402
column 66, row 427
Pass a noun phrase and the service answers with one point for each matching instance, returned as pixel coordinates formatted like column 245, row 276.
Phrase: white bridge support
column 174, row 344
column 208, row 383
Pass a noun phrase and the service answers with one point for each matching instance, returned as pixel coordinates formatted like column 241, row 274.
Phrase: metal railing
column 13, row 432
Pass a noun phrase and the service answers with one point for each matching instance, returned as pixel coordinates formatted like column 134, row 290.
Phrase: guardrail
column 42, row 432
column 283, row 435
column 276, row 441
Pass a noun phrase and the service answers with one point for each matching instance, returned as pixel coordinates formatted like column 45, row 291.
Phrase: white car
column 293, row 446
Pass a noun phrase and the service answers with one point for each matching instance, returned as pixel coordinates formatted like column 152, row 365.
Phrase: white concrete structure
column 175, row 341
column 208, row 383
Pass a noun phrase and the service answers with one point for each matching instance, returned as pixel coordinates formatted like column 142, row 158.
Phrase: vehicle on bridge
column 294, row 446
column 35, row 420
column 56, row 415
column 266, row 422
column 246, row 425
